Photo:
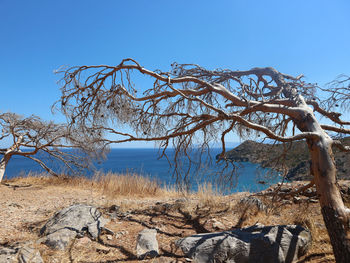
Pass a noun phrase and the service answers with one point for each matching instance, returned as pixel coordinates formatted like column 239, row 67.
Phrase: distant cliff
column 294, row 156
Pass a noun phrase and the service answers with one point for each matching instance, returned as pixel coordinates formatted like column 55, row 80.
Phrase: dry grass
column 109, row 184
column 114, row 186
column 127, row 185
column 207, row 193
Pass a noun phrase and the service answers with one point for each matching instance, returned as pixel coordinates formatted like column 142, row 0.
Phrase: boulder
column 277, row 244
column 73, row 221
column 147, row 244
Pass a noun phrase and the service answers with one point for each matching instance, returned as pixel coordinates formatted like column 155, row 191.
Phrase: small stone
column 285, row 190
column 296, row 199
column 309, row 191
column 121, row 233
column 214, row 223
column 147, row 244
column 109, row 237
column 114, row 209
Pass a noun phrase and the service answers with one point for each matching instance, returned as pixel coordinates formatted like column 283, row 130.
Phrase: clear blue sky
column 36, row 37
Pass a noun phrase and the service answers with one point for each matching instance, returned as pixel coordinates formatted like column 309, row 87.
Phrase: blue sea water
column 147, row 163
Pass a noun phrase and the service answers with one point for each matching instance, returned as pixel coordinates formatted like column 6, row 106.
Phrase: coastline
column 145, row 162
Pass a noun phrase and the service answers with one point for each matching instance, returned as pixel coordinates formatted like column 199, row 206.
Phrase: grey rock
column 285, row 189
column 287, row 202
column 28, row 254
column 8, row 254
column 24, row 253
column 73, row 221
column 147, row 244
column 265, row 244
column 309, row 192
column 161, row 207
column 253, row 201
column 297, row 199
column 114, row 209
column 59, row 239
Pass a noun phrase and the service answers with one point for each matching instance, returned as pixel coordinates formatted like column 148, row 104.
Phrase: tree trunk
column 335, row 214
column 7, row 156
column 3, row 163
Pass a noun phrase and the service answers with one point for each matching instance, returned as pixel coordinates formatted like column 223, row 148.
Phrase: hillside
column 296, row 158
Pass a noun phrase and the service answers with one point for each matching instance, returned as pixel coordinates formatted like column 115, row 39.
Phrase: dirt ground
column 25, row 207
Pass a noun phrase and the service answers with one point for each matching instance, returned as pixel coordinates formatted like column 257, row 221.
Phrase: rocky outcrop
column 284, row 243
column 73, row 221
column 294, row 156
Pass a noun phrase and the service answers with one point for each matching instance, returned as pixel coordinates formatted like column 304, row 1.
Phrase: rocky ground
column 26, row 207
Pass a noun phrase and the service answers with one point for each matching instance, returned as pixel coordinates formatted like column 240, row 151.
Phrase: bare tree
column 339, row 93
column 39, row 141
column 191, row 105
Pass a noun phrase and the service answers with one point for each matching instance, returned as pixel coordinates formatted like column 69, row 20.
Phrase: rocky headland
column 294, row 157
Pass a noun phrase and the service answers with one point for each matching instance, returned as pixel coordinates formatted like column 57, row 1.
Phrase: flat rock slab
column 265, row 244
column 73, row 221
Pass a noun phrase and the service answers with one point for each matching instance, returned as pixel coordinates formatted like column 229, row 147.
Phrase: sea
column 147, row 162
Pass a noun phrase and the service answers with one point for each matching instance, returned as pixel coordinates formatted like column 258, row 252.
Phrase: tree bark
column 3, row 164
column 7, row 156
column 334, row 212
